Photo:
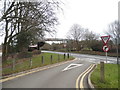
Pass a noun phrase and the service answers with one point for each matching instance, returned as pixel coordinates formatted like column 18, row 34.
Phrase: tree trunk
column 4, row 52
column 4, row 47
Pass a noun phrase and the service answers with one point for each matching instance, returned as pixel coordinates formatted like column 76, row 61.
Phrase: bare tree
column 114, row 32
column 89, row 35
column 76, row 33
column 90, row 38
column 32, row 17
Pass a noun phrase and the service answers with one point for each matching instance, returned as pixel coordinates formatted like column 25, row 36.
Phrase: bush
column 97, row 47
column 24, row 55
column 86, row 49
column 35, row 52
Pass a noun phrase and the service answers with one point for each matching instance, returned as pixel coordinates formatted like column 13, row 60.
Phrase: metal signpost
column 105, row 48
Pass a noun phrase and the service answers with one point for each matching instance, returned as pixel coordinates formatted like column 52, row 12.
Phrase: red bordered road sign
column 105, row 39
column 106, row 48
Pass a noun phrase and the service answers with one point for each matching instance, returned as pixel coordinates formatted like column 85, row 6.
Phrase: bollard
column 102, row 77
column 42, row 60
column 30, row 62
column 68, row 55
column 51, row 58
column 64, row 56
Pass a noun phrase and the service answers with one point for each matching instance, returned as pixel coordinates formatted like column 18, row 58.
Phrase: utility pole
column 118, row 32
column 118, row 42
column 117, row 51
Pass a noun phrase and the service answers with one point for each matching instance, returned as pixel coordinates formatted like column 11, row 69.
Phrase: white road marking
column 71, row 66
column 108, row 62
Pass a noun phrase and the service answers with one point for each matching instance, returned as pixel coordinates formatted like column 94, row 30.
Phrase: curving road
column 90, row 58
column 62, row 75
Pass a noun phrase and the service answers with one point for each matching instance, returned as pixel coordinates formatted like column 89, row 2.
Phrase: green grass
column 111, row 77
column 36, row 62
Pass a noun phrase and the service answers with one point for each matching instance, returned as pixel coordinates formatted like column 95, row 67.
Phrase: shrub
column 35, row 52
column 24, row 54
column 86, row 49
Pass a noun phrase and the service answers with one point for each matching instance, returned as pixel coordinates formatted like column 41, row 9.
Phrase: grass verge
column 111, row 76
column 24, row 64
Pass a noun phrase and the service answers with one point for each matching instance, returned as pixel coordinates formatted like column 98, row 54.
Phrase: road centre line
column 77, row 81
column 82, row 78
column 23, row 74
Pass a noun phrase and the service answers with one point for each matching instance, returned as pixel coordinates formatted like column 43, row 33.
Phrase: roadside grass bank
column 35, row 61
column 111, row 76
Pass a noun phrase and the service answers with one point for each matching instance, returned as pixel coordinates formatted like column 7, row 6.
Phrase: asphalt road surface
column 61, row 76
column 90, row 58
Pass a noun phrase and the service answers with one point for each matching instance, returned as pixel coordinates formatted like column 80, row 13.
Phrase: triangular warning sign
column 105, row 39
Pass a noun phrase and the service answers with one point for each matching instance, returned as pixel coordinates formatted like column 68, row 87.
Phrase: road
column 60, row 76
column 91, row 58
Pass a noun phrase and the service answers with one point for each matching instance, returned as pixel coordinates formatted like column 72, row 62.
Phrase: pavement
column 61, row 75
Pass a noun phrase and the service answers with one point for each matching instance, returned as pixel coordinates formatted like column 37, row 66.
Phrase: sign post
column 105, row 48
column 102, row 75
column 106, row 57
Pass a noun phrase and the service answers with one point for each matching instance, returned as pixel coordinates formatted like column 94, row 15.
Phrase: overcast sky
column 95, row 15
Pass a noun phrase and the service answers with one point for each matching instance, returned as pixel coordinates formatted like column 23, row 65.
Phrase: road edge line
column 83, row 76
column 78, row 79
column 89, row 80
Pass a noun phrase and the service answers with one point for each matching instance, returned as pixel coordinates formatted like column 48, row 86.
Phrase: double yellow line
column 82, row 76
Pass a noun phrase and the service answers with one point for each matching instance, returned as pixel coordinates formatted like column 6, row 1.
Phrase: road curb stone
column 91, row 86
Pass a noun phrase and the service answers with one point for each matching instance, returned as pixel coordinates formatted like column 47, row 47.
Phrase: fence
column 36, row 61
